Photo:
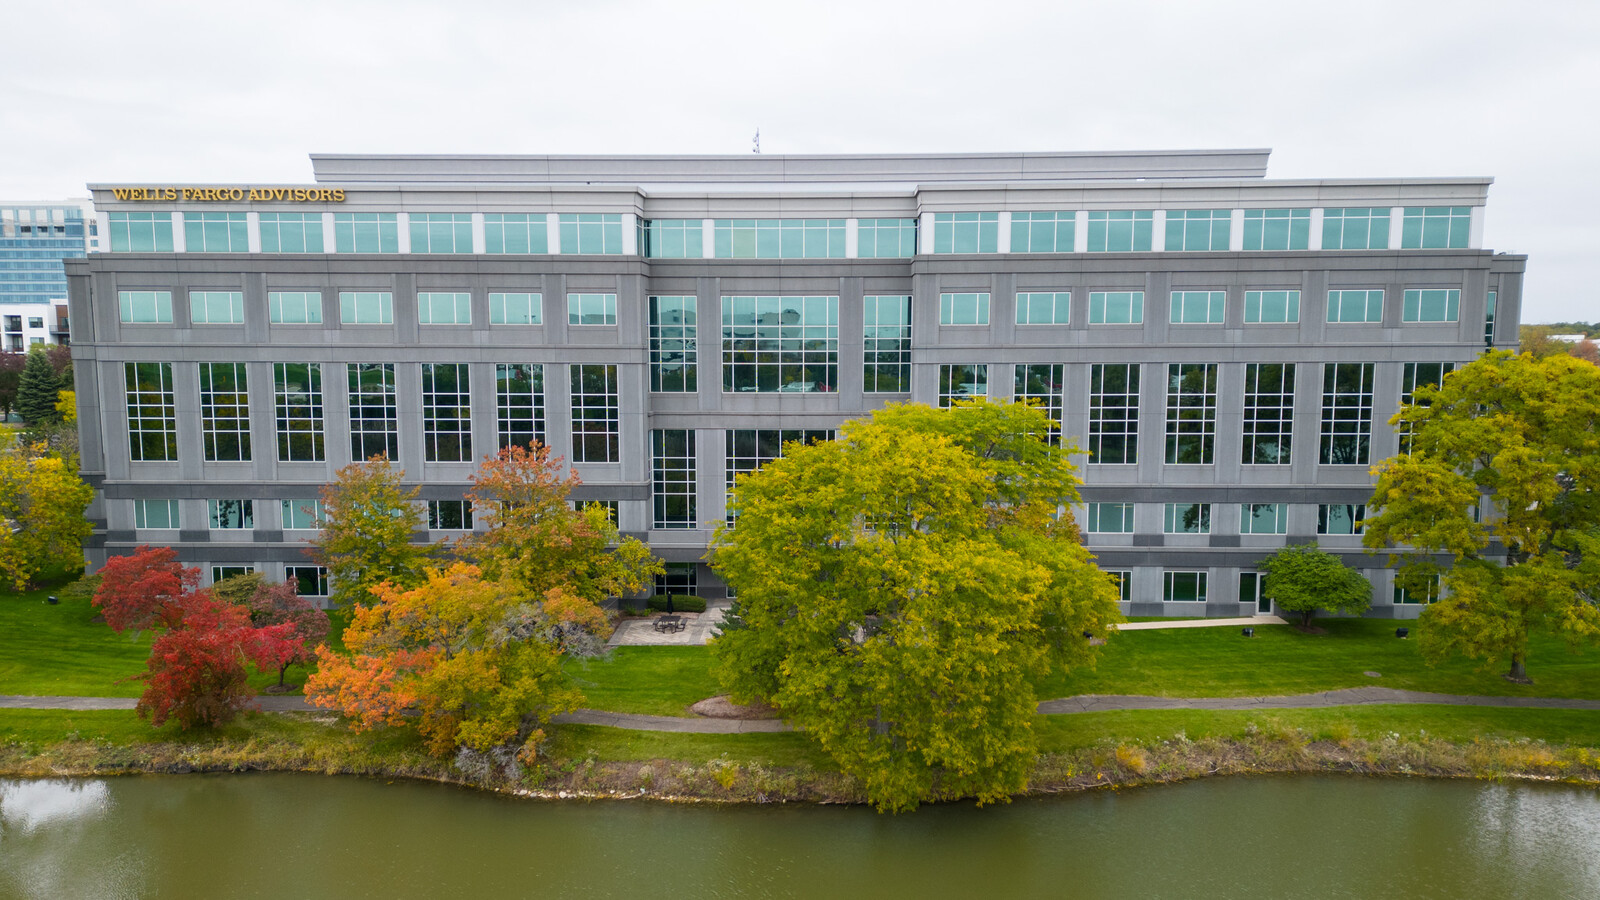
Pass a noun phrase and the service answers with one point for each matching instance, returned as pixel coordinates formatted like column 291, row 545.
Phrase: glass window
column 223, row 573
column 152, row 412
column 674, row 357
column 291, row 233
column 519, row 404
column 1435, row 227
column 1124, row 582
column 516, row 309
column 309, row 581
column 1355, row 306
column 1346, row 414
column 596, row 420
column 1263, row 518
column 886, row 238
column 216, row 232
column 366, row 307
column 1116, row 308
column 1431, row 306
column 1044, row 308
column 1041, row 385
column 1268, row 414
column 1277, row 229
column 141, row 232
column 1355, row 228
column 678, row 578
column 444, row 308
column 1121, row 231
column 216, row 307
column 1110, row 518
column 963, row 309
column 35, row 321
column 673, row 478
column 449, row 515
column 156, row 514
column 780, row 344
column 974, row 232
column 1427, row 593
column 962, row 382
column 294, row 307
column 778, row 238
column 446, row 413
column 441, row 232
column 374, row 418
column 1250, row 587
column 1341, row 518
column 747, row 450
column 1114, row 414
column 1191, row 413
column 887, row 350
column 516, row 233
column 1183, row 587
column 145, row 307
column 591, row 309
column 225, row 412
column 674, row 239
column 297, row 401
column 1413, row 376
column 1042, row 232
column 302, row 515
column 591, row 233
column 1198, row 307
column 1271, row 307
column 366, row 233
column 1198, row 229
column 1488, row 319
column 232, row 514
column 1187, row 518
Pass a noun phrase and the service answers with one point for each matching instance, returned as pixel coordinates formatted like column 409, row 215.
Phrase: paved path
column 1362, row 696
column 1202, row 623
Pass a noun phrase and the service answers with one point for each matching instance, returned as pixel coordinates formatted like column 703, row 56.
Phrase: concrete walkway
column 1362, row 696
column 1202, row 623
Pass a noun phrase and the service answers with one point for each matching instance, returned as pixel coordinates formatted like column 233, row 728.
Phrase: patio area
column 693, row 628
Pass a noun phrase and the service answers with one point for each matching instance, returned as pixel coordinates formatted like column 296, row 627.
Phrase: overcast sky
column 201, row 92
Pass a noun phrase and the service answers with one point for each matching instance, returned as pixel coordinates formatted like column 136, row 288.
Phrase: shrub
column 680, row 603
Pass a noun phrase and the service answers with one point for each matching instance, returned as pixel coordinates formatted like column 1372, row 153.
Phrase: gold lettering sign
column 230, row 194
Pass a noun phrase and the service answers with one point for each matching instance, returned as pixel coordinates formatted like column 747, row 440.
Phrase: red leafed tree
column 196, row 673
column 145, row 589
column 280, row 604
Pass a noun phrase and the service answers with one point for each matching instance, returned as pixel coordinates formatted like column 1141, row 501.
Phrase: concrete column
column 1080, row 231
column 179, row 238
column 403, row 226
column 708, row 238
column 553, row 229
column 1158, row 231
column 480, row 243
column 925, row 233
column 630, row 234
column 1397, row 218
column 852, row 238
column 1003, row 240
column 1314, row 240
column 1236, row 230
column 1475, row 231
column 330, row 243
column 253, row 231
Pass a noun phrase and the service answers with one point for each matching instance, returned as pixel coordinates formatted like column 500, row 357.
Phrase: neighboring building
column 1230, row 348
column 34, row 239
column 25, row 325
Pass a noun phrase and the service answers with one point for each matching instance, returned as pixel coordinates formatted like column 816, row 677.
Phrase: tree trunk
column 1518, row 673
column 282, row 669
column 1305, row 618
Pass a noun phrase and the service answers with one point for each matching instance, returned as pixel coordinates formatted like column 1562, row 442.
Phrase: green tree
column 369, row 517
column 37, row 391
column 1521, row 435
column 537, row 540
column 1303, row 579
column 42, row 501
column 900, row 589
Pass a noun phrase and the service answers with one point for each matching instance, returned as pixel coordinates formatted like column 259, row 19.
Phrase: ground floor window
column 679, row 578
column 1250, row 585
column 1426, row 592
column 1124, row 580
column 222, row 573
column 308, row 581
column 1184, row 587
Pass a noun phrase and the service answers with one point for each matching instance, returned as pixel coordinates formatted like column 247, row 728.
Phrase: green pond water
column 291, row 836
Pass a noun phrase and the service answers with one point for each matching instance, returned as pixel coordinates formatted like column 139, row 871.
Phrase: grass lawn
column 57, row 650
column 1220, row 662
column 658, row 681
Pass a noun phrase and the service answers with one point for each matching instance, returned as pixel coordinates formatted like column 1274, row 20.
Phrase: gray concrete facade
column 713, row 189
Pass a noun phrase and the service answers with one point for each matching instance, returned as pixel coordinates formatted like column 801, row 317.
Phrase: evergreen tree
column 37, row 390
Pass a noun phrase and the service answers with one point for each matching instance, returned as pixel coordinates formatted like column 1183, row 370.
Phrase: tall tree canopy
column 369, row 517
column 1303, row 578
column 536, row 539
column 42, row 501
column 899, row 590
column 1523, row 435
column 37, row 389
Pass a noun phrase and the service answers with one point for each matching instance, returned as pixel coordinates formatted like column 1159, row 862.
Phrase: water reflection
column 291, row 836
column 26, row 805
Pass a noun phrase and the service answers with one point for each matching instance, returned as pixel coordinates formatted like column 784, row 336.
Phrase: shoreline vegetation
column 595, row 763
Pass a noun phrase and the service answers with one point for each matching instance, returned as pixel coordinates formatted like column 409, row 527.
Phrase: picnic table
column 670, row 624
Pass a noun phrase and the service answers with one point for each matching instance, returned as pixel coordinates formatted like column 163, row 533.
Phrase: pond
column 284, row 836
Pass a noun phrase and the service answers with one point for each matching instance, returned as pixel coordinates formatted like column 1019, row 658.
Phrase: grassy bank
column 1080, row 752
